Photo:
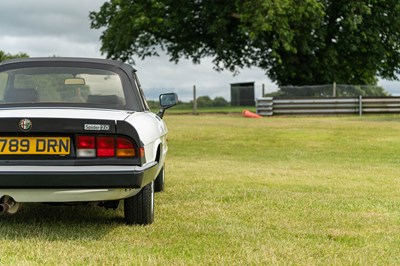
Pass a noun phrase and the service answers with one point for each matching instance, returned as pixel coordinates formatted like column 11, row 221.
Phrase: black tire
column 159, row 182
column 139, row 209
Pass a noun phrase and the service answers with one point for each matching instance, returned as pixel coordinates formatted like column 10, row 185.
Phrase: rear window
column 68, row 85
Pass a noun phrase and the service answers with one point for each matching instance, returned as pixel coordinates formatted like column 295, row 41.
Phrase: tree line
column 6, row 56
column 202, row 102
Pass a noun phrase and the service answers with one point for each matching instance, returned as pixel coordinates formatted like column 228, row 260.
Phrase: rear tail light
column 106, row 146
column 125, row 148
column 86, row 142
column 86, row 146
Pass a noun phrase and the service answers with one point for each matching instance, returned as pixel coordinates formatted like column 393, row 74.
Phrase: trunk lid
column 61, row 120
column 64, row 113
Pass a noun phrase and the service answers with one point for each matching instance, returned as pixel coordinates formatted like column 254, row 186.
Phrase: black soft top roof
column 114, row 63
column 133, row 97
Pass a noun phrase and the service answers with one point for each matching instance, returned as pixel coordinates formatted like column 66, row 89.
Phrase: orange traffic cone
column 247, row 113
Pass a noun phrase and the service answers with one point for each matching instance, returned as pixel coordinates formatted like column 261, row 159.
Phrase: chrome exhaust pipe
column 4, row 207
column 8, row 205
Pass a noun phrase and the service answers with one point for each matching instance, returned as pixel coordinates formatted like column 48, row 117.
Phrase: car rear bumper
column 90, row 177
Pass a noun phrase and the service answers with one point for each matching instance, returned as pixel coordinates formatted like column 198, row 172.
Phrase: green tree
column 204, row 101
column 6, row 56
column 296, row 42
column 220, row 102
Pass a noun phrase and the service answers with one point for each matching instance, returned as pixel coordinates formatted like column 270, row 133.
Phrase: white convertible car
column 79, row 130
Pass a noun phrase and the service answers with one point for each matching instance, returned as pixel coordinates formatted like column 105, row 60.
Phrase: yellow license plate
column 35, row 145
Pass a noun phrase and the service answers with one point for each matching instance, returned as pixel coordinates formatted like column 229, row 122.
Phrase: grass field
column 286, row 190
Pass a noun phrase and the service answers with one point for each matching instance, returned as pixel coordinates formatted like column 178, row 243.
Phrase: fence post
column 360, row 105
column 334, row 89
column 263, row 90
column 194, row 100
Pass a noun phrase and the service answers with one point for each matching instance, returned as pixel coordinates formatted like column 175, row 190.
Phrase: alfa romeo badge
column 25, row 124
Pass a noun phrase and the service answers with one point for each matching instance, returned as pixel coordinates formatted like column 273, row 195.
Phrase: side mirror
column 167, row 100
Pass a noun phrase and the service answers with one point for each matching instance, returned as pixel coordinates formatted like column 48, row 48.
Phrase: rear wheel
column 159, row 182
column 139, row 209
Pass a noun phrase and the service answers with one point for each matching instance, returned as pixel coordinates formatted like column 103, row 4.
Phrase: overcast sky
column 62, row 28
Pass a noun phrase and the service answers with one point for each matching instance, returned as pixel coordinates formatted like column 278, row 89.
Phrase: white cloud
column 393, row 87
column 43, row 46
column 49, row 18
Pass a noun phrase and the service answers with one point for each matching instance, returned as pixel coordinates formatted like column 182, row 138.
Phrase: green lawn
column 281, row 190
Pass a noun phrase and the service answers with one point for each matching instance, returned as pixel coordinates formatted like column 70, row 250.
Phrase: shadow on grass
column 49, row 222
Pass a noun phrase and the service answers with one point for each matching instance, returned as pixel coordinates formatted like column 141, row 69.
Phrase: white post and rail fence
column 269, row 106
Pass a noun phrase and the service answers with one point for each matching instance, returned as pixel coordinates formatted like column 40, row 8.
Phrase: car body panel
column 152, row 131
